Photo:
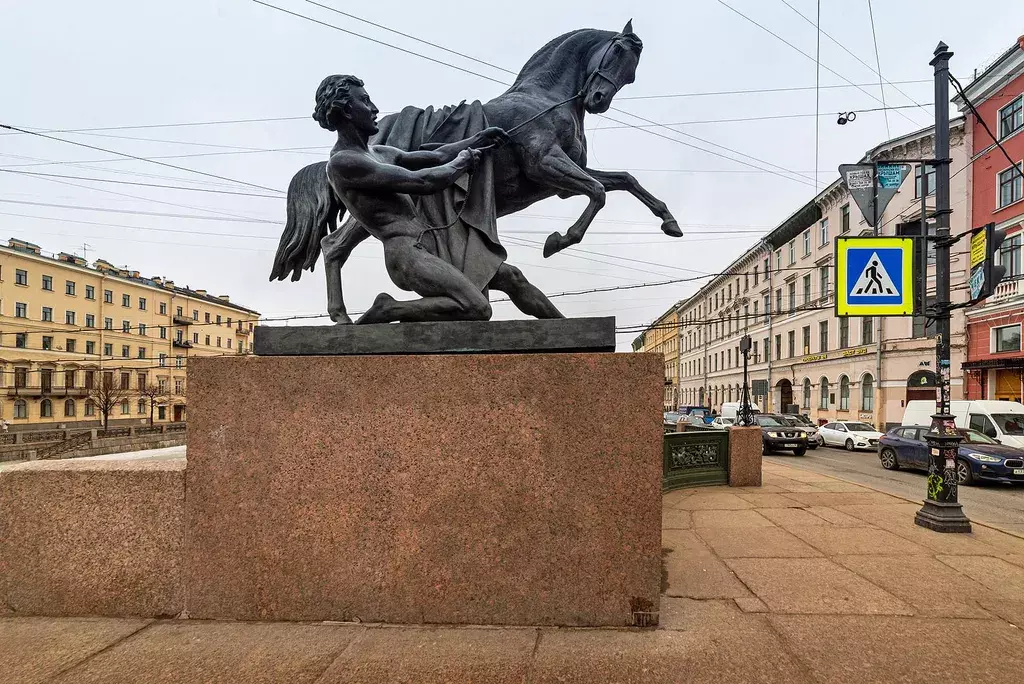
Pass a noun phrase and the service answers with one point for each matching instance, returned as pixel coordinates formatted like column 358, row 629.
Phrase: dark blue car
column 980, row 457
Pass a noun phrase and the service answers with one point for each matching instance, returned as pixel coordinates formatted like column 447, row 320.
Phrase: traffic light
column 985, row 273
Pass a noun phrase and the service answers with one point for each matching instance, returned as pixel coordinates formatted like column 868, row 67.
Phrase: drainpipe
column 771, row 325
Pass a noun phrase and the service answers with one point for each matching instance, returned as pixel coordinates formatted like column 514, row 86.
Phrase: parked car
column 670, row 420
column 776, row 436
column 980, row 457
column 1002, row 420
column 813, row 438
column 701, row 411
column 850, row 434
column 722, row 423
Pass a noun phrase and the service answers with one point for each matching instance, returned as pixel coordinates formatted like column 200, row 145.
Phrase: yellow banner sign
column 855, row 352
column 977, row 248
column 815, row 357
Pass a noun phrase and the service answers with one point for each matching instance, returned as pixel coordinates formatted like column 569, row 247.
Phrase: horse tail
column 312, row 213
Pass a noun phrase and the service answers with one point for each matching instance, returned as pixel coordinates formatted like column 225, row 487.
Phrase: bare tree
column 107, row 394
column 153, row 393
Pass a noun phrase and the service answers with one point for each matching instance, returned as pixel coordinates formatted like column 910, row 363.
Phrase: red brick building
column 995, row 359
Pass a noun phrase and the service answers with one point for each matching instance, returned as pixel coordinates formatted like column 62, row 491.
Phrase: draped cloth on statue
column 471, row 244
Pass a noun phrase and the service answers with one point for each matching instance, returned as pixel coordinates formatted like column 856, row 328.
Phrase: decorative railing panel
column 695, row 458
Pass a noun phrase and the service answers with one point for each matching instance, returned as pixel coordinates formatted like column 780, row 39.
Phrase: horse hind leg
column 556, row 170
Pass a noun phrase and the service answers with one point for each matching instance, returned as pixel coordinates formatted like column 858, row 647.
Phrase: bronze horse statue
column 543, row 111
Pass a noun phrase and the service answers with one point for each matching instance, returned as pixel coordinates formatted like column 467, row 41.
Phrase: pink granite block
column 745, row 457
column 470, row 489
column 92, row 538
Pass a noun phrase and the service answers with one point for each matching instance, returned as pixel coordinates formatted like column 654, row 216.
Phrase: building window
column 778, row 301
column 142, row 352
column 807, row 339
column 823, row 337
column 108, row 323
column 161, row 412
column 142, row 303
column 737, row 292
column 824, row 282
column 90, row 292
column 163, row 308
column 823, row 401
column 20, row 409
column 163, row 333
column 807, row 289
column 867, row 392
column 792, row 252
column 195, row 314
column 844, row 332
column 792, row 296
column 924, row 326
column 69, row 317
column 844, row 219
column 767, row 308
column 108, row 349
column 141, row 408
column 69, row 287
column 823, row 232
column 126, row 351
column 918, row 174
column 807, row 242
column 69, row 378
column 844, row 393
column 20, row 277
column 126, row 326
column 21, row 310
column 755, row 283
column 1010, row 185
column 179, row 361
column 90, row 321
column 207, row 339
column 142, row 329
column 47, row 313
column 48, row 283
column 126, row 380
column 47, row 342
column 108, row 296
column 1011, row 118
column 778, row 260
column 125, row 407
column 21, row 377
column 90, row 347
column 69, row 345
column 69, row 408
column 807, row 394
column 207, row 317
column 791, row 337
column 46, row 409
column 126, row 300
column 163, row 360
column 90, row 407
column 767, row 349
column 867, row 330
column 778, row 347
column 20, row 340
column 1009, row 256
column 1006, row 338
column 179, row 386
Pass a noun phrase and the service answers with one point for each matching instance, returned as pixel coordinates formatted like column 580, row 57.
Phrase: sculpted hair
column 332, row 94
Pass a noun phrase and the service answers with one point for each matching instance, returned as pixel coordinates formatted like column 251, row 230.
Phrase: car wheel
column 964, row 475
column 800, row 452
column 888, row 459
column 849, row 445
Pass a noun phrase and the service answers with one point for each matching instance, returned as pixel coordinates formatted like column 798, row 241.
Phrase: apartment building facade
column 995, row 359
column 662, row 337
column 780, row 292
column 66, row 326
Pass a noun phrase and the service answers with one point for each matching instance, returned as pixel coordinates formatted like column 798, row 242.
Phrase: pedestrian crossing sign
column 874, row 276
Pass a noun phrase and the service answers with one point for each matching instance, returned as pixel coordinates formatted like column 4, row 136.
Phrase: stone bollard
column 744, row 457
column 681, row 425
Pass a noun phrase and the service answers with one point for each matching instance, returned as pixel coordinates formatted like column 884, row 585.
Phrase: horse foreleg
column 620, row 180
column 556, row 170
column 337, row 247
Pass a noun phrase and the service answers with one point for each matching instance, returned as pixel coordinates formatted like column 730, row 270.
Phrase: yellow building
column 663, row 337
column 66, row 326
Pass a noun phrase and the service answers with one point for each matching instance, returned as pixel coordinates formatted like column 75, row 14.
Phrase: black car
column 777, row 436
column 979, row 458
column 798, row 421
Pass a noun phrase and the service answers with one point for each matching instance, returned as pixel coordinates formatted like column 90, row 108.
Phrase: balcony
column 1007, row 289
column 30, row 391
column 181, row 344
column 182, row 320
column 242, row 331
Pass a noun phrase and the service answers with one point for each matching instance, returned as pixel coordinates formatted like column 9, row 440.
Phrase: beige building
column 662, row 337
column 780, row 293
column 66, row 326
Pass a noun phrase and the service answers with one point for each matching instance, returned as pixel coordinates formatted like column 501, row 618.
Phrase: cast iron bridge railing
column 695, row 458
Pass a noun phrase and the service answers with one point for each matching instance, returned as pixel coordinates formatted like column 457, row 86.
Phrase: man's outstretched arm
column 362, row 172
column 445, row 153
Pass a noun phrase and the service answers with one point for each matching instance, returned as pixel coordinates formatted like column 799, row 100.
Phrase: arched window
column 142, row 406
column 867, row 392
column 90, row 407
column 69, row 408
column 844, row 393
column 807, row 394
column 20, row 409
column 46, row 408
column 823, row 404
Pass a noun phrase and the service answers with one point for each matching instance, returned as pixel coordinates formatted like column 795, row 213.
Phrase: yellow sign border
column 844, row 307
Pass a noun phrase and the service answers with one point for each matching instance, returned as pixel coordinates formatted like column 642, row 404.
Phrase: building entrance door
column 784, row 393
column 179, row 413
column 921, row 386
column 1008, row 385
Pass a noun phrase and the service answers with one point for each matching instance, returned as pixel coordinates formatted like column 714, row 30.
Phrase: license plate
column 797, row 446
column 1018, row 471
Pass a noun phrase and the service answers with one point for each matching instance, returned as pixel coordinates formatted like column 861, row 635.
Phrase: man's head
column 341, row 98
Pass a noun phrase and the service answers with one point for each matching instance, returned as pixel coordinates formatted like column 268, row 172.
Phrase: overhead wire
column 878, row 61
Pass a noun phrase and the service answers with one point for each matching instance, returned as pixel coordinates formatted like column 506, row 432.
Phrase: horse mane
column 539, row 68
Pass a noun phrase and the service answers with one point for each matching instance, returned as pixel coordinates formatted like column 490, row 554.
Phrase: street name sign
column 874, row 276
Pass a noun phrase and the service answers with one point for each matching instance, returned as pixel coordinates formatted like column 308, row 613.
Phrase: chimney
column 158, row 280
column 224, row 298
column 201, row 293
column 169, row 284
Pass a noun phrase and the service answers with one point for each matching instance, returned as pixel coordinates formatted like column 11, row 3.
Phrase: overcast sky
column 117, row 64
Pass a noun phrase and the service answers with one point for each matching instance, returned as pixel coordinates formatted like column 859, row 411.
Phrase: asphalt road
column 997, row 504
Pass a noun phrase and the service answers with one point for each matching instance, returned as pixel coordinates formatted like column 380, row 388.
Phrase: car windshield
column 803, row 420
column 672, row 416
column 767, row 421
column 790, row 420
column 859, row 427
column 975, row 437
column 1010, row 423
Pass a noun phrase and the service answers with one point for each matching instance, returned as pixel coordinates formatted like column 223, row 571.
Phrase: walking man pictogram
column 874, row 285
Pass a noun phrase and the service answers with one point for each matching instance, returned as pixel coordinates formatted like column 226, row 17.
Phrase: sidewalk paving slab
column 675, row 519
column 691, row 570
column 712, row 499
column 35, row 649
column 190, row 651
column 1003, row 579
column 868, row 650
column 731, row 519
column 845, row 541
column 759, row 542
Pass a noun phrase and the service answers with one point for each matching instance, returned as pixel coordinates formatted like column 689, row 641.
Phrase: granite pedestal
column 500, row 489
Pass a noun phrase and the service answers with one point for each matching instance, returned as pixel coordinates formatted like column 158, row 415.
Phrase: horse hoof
column 552, row 244
column 341, row 318
column 671, row 228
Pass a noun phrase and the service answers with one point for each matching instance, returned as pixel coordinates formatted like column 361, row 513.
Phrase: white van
column 731, row 409
column 1002, row 420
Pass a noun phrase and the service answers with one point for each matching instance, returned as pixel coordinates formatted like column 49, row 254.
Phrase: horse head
column 612, row 66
